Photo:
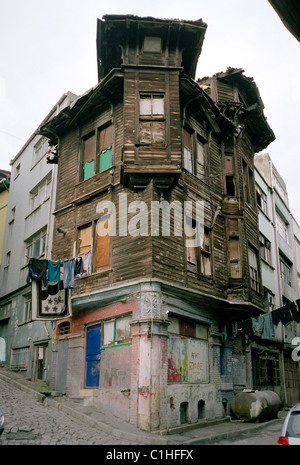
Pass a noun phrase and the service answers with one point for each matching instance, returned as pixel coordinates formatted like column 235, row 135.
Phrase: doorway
column 93, row 356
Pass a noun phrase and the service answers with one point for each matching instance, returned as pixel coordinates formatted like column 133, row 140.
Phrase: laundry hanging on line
column 49, row 272
column 263, row 325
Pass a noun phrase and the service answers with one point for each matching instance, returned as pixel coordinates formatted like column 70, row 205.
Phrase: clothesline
column 263, row 325
column 48, row 271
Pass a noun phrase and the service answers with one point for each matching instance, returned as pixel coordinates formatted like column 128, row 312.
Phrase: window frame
column 41, row 236
column 282, row 227
column 37, row 195
column 230, row 182
column 253, row 271
column 94, row 244
column 248, row 183
column 200, row 255
column 192, row 142
column 113, row 321
column 285, row 270
column 27, row 308
column 262, row 200
column 265, row 249
column 152, row 119
column 94, row 156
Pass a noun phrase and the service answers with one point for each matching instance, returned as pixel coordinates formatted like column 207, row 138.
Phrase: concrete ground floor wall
column 169, row 373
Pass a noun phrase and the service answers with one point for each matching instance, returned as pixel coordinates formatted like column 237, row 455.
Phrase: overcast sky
column 48, row 47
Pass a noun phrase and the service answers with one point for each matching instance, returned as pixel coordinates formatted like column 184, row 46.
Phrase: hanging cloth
column 286, row 316
column 53, row 273
column 69, row 268
column 276, row 316
column 268, row 328
column 87, row 262
column 78, row 267
column 37, row 270
column 258, row 325
column 295, row 312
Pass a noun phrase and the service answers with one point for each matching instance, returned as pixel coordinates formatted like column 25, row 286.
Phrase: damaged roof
column 251, row 110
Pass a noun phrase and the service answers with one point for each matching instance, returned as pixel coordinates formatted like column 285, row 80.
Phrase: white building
column 28, row 233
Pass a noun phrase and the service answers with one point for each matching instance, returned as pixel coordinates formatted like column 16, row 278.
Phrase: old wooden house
column 146, row 335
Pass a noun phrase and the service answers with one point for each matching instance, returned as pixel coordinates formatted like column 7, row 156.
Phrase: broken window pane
column 122, row 330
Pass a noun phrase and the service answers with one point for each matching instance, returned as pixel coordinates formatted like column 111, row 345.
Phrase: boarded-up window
column 234, row 257
column 102, row 242
column 85, row 240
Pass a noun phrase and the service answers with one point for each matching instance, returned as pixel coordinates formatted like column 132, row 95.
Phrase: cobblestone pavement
column 30, row 422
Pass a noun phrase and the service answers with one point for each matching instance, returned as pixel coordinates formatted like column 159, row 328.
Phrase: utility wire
column 16, row 137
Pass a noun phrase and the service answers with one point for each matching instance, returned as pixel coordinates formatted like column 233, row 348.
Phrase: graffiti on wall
column 187, row 360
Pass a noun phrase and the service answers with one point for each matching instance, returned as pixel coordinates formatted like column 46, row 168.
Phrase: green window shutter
column 105, row 160
column 88, row 170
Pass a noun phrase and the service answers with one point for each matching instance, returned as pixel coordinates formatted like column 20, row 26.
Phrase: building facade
column 28, row 233
column 278, row 249
column 156, row 203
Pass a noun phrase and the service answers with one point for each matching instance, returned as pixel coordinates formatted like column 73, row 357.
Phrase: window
column 200, row 159
column 7, row 260
column 285, row 270
column 89, row 156
column 248, row 179
column 85, row 240
column 102, row 242
column 40, row 193
column 193, row 158
column 261, row 200
column 97, row 151
column 95, row 238
column 105, row 148
column 152, row 44
column 234, row 257
column 12, row 215
column 198, row 258
column 187, row 351
column 282, row 227
column 252, row 256
column 265, row 248
column 229, row 175
column 152, row 119
column 40, row 149
column 280, row 189
column 26, row 316
column 63, row 328
column 116, row 332
column 187, row 151
column 18, row 170
column 19, row 358
column 266, row 370
column 35, row 246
